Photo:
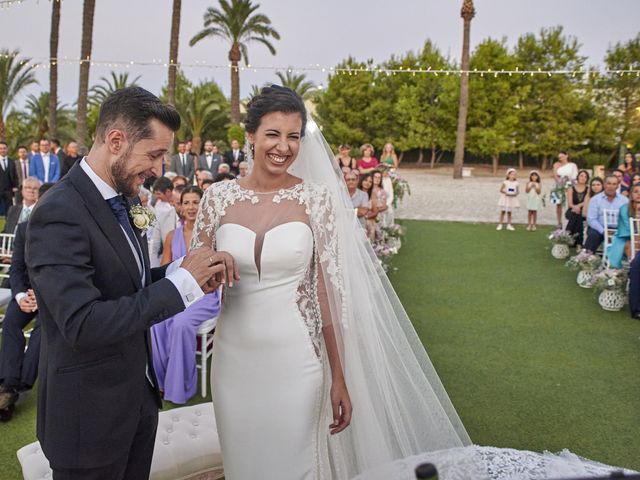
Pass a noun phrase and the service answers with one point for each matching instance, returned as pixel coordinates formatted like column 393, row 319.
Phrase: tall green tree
column 88, row 11
column 237, row 23
column 53, row 67
column 298, row 83
column 37, row 116
column 467, row 13
column 344, row 110
column 203, row 109
column 547, row 112
column 426, row 108
column 623, row 91
column 108, row 85
column 492, row 114
column 15, row 75
column 173, row 51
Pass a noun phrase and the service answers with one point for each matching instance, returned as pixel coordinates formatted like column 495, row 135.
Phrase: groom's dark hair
column 131, row 109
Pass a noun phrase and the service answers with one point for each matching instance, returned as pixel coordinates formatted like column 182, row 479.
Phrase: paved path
column 436, row 196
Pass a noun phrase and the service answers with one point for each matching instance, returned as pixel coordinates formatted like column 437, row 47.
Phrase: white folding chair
column 6, row 251
column 634, row 227
column 610, row 223
column 205, row 350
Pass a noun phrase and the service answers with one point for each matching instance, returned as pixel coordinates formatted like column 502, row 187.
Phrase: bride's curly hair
column 274, row 99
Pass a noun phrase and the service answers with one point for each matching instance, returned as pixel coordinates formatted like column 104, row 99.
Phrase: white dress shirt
column 45, row 164
column 184, row 282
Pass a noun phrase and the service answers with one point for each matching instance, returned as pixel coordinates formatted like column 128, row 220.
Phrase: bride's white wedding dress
column 305, row 264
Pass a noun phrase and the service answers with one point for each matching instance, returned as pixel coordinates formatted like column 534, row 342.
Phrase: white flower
column 611, row 282
column 254, row 200
column 142, row 217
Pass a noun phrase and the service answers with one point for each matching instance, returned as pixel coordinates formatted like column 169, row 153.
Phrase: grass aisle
column 528, row 358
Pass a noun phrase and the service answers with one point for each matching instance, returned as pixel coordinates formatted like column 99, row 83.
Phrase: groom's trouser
column 136, row 464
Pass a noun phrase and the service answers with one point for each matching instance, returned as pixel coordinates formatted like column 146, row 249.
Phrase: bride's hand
column 228, row 275
column 341, row 404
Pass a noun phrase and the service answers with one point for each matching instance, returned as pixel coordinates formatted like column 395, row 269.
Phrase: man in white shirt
column 210, row 158
column 183, row 162
column 234, row 156
column 45, row 166
column 359, row 199
column 8, row 179
column 165, row 219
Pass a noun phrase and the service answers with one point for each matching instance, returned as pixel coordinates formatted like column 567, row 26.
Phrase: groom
column 97, row 396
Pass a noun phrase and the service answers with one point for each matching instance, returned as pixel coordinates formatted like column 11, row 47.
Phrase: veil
column 400, row 407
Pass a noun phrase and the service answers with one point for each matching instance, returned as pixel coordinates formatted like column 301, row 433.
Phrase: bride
column 317, row 372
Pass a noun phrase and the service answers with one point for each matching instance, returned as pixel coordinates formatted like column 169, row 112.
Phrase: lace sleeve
column 330, row 285
column 207, row 220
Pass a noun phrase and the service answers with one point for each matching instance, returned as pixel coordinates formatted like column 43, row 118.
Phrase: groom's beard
column 125, row 182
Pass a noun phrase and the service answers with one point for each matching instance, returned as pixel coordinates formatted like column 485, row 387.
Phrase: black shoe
column 8, row 398
column 7, row 413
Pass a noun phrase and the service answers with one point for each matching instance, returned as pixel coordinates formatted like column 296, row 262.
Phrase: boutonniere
column 142, row 217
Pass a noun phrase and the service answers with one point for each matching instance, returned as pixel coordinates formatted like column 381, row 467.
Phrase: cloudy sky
column 312, row 32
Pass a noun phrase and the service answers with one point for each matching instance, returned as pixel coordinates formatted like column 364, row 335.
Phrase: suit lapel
column 106, row 221
column 142, row 240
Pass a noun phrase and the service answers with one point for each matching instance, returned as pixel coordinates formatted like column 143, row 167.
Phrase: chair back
column 6, row 251
column 634, row 227
column 610, row 223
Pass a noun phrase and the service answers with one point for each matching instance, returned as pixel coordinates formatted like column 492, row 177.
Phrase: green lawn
column 529, row 358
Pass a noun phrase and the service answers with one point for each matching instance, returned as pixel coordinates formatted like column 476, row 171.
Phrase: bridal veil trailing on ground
column 400, row 405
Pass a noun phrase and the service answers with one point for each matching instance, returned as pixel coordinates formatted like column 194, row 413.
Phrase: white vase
column 560, row 251
column 611, row 300
column 584, row 278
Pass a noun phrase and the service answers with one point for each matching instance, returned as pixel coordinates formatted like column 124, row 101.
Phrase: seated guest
column 180, row 180
column 243, row 169
column 595, row 187
column 366, row 185
column 19, row 368
column 165, row 219
column 174, row 340
column 202, row 174
column 609, row 199
column 19, row 213
column 623, row 188
column 359, row 199
column 576, row 197
column 224, row 168
column 224, row 177
column 206, row 183
column 621, row 245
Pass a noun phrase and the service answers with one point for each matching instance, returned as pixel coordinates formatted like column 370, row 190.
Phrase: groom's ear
column 114, row 141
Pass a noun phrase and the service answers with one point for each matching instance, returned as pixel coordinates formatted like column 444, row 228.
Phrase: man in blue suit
column 45, row 166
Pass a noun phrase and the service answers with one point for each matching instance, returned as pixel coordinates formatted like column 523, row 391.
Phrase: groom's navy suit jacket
column 95, row 315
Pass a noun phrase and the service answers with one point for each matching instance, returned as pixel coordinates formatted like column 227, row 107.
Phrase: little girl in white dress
column 508, row 202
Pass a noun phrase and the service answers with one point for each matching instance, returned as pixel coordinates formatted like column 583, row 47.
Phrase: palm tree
column 237, row 23
column 15, row 76
column 53, row 67
column 85, row 62
column 173, row 51
column 198, row 111
column 467, row 13
column 297, row 83
column 100, row 92
column 38, row 116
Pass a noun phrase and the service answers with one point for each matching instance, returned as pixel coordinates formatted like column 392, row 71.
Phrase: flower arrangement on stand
column 558, row 194
column 585, row 263
column 400, row 187
column 611, row 286
column 561, row 241
column 388, row 244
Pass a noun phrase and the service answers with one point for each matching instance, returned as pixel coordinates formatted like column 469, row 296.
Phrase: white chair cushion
column 186, row 448
column 5, row 296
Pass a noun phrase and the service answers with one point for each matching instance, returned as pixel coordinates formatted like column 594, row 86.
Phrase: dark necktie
column 119, row 208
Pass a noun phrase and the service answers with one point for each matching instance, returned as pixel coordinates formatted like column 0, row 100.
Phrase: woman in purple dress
column 174, row 340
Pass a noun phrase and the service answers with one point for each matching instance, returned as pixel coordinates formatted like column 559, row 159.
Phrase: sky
column 312, row 33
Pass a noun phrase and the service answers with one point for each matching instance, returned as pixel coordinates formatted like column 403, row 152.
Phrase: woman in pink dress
column 368, row 162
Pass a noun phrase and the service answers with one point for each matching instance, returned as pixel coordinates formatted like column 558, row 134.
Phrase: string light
column 348, row 70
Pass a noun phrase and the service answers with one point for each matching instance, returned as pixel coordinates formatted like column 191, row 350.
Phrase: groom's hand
column 202, row 265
